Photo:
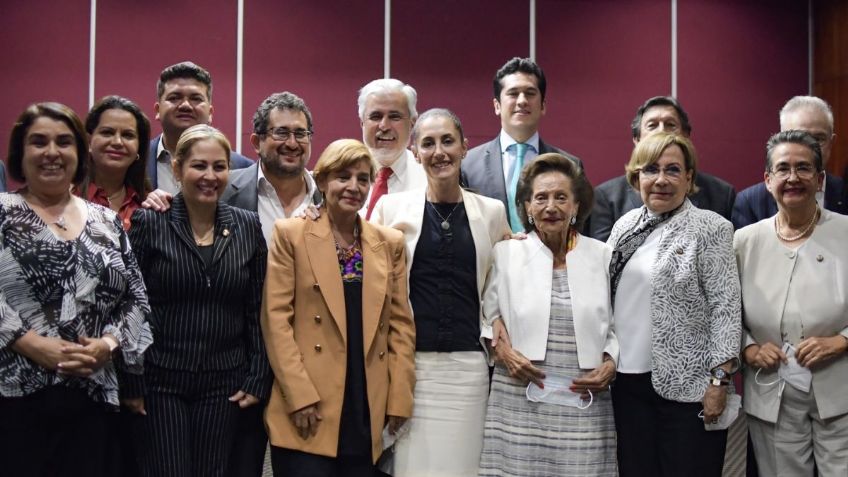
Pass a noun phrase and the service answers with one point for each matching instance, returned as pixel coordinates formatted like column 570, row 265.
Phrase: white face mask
column 731, row 411
column 556, row 391
column 792, row 373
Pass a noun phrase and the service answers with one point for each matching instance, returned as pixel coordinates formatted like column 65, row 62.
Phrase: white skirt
column 446, row 430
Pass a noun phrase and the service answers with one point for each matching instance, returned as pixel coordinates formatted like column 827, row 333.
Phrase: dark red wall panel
column 739, row 62
column 136, row 40
column 45, row 56
column 602, row 59
column 320, row 51
column 449, row 52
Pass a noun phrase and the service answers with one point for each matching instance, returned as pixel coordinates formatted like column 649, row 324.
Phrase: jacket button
column 317, row 319
column 382, row 354
column 318, row 348
column 315, row 286
column 679, row 251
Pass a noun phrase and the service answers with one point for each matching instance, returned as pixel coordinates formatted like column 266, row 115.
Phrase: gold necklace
column 118, row 193
column 799, row 236
column 205, row 239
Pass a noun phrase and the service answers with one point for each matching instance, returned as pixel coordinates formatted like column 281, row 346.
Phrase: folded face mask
column 731, row 411
column 794, row 374
column 556, row 391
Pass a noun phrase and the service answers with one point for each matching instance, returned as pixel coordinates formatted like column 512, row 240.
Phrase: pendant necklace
column 445, row 221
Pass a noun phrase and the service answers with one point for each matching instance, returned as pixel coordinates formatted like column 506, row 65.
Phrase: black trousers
column 662, row 438
column 54, row 432
column 190, row 425
column 292, row 463
column 248, row 454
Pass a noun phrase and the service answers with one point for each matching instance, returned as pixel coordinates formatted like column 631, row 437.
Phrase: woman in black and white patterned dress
column 71, row 295
column 551, row 292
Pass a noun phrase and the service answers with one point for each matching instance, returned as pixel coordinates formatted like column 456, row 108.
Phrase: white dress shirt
column 164, row 171
column 268, row 204
column 407, row 174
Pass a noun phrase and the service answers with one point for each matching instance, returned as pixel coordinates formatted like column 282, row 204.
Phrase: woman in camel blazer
column 337, row 327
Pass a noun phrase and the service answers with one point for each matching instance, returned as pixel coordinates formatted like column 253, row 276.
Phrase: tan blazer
column 303, row 323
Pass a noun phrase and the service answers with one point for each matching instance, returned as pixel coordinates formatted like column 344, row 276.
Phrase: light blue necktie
column 517, row 165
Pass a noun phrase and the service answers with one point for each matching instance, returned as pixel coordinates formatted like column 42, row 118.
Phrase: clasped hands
column 521, row 368
column 810, row 352
column 306, row 421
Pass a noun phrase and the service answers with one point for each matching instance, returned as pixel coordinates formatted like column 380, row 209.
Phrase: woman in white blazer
column 675, row 292
column 794, row 271
column 551, row 293
column 449, row 237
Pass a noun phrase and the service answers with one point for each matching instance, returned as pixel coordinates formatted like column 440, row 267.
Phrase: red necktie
column 381, row 188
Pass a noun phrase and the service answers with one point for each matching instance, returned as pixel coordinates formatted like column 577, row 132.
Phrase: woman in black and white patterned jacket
column 676, row 298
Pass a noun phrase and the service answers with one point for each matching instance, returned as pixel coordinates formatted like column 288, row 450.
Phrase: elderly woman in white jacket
column 548, row 412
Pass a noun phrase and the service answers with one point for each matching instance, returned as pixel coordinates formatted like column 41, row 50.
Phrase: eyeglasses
column 803, row 171
column 653, row 171
column 377, row 117
column 282, row 134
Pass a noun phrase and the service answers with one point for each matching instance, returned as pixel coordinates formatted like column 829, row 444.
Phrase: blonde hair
column 195, row 134
column 341, row 154
column 648, row 151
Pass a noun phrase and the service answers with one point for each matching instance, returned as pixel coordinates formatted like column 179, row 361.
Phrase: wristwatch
column 718, row 382
column 720, row 373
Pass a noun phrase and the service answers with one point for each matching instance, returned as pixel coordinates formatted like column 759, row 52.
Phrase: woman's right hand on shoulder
column 158, row 200
column 766, row 356
column 306, row 421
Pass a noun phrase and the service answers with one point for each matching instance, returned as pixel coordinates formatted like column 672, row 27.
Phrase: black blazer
column 616, row 197
column 756, row 203
column 482, row 169
column 204, row 318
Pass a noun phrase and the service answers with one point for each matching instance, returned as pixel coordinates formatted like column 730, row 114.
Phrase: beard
column 277, row 168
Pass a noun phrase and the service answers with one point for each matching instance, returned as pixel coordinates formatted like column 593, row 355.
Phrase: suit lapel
column 224, row 231
column 375, row 271
column 480, row 235
column 321, row 250
column 245, row 193
column 180, row 223
column 415, row 212
column 494, row 170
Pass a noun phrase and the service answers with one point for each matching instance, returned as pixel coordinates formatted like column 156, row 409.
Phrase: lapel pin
column 226, row 233
column 820, row 258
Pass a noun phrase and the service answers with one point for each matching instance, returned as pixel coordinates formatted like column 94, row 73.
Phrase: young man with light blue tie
column 493, row 169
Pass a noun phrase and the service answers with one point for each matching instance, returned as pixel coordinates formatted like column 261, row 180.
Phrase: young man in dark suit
column 616, row 197
column 807, row 113
column 493, row 168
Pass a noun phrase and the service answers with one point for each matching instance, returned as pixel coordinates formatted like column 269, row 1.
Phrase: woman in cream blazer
column 449, row 236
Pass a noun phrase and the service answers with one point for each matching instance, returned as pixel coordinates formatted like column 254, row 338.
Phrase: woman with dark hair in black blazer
column 203, row 262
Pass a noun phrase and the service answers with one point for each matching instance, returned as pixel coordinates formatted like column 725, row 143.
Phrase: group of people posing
column 424, row 309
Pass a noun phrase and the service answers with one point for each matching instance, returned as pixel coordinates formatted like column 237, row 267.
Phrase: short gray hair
column 807, row 102
column 388, row 85
column 794, row 136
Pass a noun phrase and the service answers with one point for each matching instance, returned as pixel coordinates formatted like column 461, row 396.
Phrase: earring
column 530, row 219
column 573, row 219
column 137, row 157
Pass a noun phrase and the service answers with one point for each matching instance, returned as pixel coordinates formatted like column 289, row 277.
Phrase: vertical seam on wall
column 387, row 39
column 533, row 30
column 239, row 71
column 92, row 44
column 810, row 47
column 674, row 48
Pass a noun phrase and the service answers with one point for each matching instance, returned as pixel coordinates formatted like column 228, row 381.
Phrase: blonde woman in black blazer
column 204, row 263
